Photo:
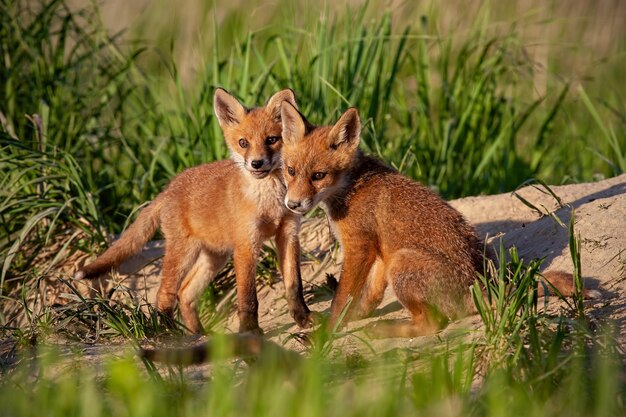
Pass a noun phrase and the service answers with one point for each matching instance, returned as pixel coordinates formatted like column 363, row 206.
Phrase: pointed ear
column 274, row 103
column 294, row 128
column 347, row 130
column 228, row 110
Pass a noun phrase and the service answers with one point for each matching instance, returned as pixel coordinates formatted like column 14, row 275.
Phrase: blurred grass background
column 411, row 67
column 471, row 97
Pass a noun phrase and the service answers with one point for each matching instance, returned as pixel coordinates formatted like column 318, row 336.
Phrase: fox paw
column 250, row 325
column 257, row 331
column 302, row 317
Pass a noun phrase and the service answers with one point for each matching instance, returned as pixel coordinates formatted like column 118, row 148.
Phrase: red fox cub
column 392, row 230
column 214, row 210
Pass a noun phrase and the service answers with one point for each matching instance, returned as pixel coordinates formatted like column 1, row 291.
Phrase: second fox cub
column 212, row 211
column 393, row 231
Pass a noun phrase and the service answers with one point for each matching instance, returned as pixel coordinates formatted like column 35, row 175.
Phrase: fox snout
column 259, row 167
column 257, row 163
column 260, row 163
column 299, row 206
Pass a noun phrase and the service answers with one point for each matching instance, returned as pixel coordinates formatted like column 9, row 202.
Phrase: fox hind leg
column 374, row 289
column 429, row 287
column 201, row 274
column 179, row 257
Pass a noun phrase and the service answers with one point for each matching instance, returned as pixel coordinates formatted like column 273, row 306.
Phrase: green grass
column 94, row 124
column 317, row 387
column 527, row 363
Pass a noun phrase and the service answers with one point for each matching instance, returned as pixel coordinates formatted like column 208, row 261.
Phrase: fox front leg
column 356, row 267
column 289, row 255
column 244, row 260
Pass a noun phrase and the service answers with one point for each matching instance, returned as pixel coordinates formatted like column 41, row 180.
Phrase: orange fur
column 393, row 231
column 564, row 284
column 214, row 210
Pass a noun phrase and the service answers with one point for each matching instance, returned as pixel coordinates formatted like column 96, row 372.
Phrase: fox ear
column 347, row 130
column 274, row 103
column 294, row 127
column 228, row 110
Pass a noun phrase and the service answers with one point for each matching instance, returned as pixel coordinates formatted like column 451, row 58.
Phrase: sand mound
column 600, row 214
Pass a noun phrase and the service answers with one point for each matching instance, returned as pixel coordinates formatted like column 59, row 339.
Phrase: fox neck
column 267, row 193
column 359, row 173
column 274, row 180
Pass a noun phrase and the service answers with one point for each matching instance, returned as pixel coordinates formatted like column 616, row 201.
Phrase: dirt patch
column 600, row 219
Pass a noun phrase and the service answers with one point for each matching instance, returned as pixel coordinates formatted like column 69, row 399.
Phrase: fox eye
column 291, row 171
column 318, row 176
column 243, row 143
column 270, row 140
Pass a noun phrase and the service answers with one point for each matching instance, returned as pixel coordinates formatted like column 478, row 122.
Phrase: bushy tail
column 131, row 242
column 564, row 283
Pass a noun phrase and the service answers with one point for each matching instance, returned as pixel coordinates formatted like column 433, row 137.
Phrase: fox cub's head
column 252, row 135
column 317, row 160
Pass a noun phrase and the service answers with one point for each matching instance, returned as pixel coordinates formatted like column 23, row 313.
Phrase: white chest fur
column 267, row 194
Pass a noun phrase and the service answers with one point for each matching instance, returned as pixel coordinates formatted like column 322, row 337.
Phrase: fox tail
column 564, row 283
column 131, row 242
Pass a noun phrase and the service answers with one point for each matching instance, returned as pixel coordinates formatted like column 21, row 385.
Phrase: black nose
column 257, row 163
column 293, row 204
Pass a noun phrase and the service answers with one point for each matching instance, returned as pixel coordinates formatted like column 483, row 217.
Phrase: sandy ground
column 600, row 219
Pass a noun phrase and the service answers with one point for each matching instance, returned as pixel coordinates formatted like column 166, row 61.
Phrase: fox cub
column 214, row 210
column 392, row 230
